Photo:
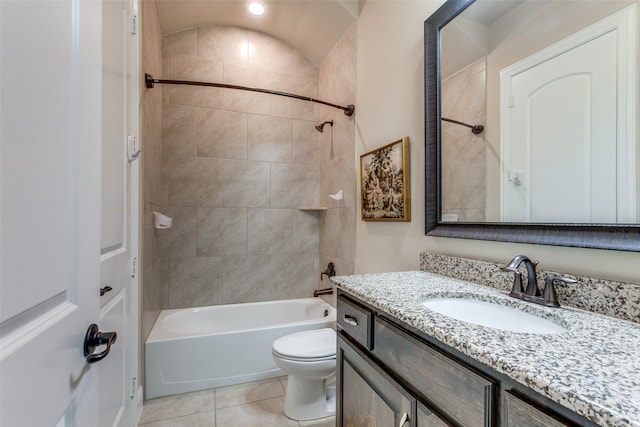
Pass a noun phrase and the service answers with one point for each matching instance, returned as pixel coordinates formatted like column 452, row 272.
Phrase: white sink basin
column 492, row 315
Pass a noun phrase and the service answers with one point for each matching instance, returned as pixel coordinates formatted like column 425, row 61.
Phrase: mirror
column 513, row 181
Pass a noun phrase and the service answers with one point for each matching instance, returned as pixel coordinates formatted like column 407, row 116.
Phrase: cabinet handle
column 404, row 420
column 350, row 320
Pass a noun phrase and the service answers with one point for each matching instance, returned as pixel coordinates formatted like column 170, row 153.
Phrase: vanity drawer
column 458, row 392
column 356, row 321
column 521, row 413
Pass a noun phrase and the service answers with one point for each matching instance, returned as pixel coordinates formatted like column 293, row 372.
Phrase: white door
column 51, row 198
column 117, row 373
column 565, row 140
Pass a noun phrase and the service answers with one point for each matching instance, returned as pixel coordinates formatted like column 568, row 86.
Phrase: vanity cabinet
column 370, row 398
column 391, row 375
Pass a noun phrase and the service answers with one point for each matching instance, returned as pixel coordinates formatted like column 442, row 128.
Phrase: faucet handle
column 549, row 295
column 517, row 288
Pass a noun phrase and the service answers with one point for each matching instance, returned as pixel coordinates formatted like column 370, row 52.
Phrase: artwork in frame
column 384, row 183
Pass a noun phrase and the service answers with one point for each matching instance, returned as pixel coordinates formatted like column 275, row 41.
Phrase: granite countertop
column 593, row 369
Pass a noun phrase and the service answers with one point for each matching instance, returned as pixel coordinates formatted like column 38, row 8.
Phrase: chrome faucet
column 532, row 293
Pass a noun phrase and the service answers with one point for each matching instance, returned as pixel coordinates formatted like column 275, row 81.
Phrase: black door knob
column 94, row 338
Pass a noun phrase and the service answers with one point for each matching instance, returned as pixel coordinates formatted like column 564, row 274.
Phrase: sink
column 493, row 315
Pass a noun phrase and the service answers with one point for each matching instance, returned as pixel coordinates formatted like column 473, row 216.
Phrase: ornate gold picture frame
column 385, row 183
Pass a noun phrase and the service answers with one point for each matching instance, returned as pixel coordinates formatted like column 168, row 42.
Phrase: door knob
column 94, row 338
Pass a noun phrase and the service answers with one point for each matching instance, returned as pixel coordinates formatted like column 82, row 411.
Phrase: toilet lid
column 311, row 344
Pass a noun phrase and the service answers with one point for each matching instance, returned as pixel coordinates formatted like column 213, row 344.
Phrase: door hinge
column 134, row 385
column 133, row 262
column 134, row 24
column 512, row 102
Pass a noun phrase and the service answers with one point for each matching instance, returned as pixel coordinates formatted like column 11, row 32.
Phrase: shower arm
column 150, row 82
column 475, row 129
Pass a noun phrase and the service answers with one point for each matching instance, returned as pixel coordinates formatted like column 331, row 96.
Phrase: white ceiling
column 313, row 27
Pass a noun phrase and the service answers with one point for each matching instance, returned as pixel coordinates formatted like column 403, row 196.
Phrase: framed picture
column 384, row 183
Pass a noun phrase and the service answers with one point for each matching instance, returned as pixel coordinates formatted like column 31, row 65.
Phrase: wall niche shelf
column 313, row 208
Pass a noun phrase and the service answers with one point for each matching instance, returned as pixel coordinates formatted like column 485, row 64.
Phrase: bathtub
column 199, row 348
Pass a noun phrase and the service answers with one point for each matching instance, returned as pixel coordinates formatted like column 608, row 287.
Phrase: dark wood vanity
column 391, row 374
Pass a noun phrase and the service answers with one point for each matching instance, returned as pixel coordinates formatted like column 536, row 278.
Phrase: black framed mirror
column 613, row 236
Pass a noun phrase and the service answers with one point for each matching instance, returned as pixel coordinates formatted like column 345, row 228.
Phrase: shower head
column 320, row 127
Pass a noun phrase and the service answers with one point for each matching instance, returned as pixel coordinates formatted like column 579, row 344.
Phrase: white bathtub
column 198, row 348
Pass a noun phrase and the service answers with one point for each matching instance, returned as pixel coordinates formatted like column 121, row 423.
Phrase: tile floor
column 256, row 404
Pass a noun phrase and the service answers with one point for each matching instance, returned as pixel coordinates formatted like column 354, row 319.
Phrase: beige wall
column 236, row 167
column 390, row 105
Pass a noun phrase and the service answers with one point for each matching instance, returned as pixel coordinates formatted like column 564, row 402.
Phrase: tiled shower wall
column 463, row 153
column 337, row 157
column 236, row 167
column 151, row 171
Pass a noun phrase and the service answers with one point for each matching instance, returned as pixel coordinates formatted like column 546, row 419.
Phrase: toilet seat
column 307, row 346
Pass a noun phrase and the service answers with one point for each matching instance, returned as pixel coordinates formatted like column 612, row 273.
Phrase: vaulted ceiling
column 313, row 27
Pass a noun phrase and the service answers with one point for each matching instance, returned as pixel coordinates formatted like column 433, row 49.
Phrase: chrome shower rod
column 150, row 82
column 475, row 129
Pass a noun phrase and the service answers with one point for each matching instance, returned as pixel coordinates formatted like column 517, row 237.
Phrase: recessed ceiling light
column 256, row 8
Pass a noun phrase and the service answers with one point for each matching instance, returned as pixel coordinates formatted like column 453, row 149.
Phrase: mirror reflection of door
column 563, row 134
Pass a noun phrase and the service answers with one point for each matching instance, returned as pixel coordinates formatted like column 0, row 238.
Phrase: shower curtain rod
column 475, row 129
column 150, row 82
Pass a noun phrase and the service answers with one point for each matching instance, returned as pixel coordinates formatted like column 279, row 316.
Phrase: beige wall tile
column 221, row 231
column 225, row 44
column 270, row 231
column 303, row 67
column 195, row 281
column 179, row 241
column 293, row 185
column 225, row 152
column 178, row 130
column 293, row 276
column 248, row 76
column 291, row 108
column 269, row 53
column 247, row 102
column 183, row 43
column 246, row 278
column 195, row 96
column 186, row 67
column 245, row 184
column 221, row 134
column 195, row 181
column 306, row 232
column 306, row 148
column 270, row 139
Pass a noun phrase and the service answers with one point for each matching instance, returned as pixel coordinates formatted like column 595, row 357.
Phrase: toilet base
column 308, row 399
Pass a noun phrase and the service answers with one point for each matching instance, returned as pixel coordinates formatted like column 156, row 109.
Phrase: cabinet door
column 367, row 397
column 427, row 418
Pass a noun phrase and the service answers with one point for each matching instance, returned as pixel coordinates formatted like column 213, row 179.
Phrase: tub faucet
column 325, row 291
column 329, row 272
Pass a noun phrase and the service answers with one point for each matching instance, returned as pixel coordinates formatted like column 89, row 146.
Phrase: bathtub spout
column 325, row 291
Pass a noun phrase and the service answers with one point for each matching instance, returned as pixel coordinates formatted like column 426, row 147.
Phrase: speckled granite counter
column 593, row 369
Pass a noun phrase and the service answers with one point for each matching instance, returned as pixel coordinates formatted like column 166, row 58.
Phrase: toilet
column 309, row 357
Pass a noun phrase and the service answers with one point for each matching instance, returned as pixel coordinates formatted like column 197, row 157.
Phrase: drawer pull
column 403, row 420
column 350, row 320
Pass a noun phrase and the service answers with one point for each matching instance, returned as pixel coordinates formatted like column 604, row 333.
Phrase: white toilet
column 309, row 357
